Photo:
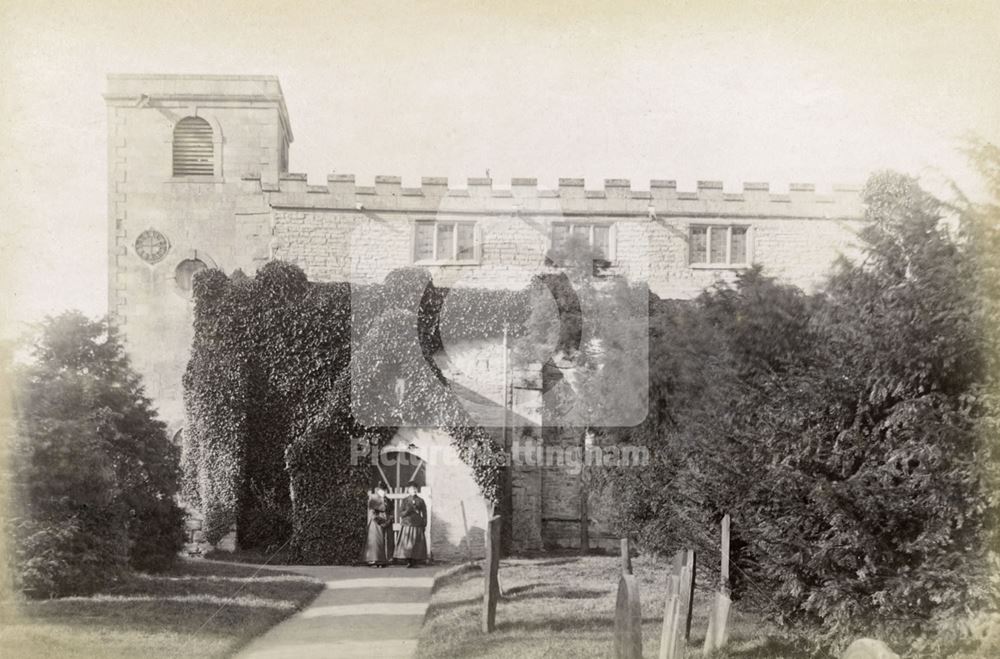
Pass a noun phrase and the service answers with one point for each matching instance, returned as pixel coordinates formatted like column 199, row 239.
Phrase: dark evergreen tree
column 94, row 474
column 849, row 434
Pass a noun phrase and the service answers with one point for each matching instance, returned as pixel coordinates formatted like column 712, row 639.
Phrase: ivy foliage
column 274, row 403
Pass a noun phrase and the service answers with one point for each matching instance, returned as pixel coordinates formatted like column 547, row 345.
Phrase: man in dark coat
column 411, row 544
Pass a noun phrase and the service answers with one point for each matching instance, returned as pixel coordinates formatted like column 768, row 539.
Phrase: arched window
column 193, row 154
column 184, row 274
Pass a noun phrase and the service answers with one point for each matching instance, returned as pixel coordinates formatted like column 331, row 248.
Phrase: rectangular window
column 465, row 245
column 699, row 244
column 444, row 241
column 598, row 236
column 602, row 239
column 738, row 240
column 719, row 245
column 560, row 232
column 423, row 249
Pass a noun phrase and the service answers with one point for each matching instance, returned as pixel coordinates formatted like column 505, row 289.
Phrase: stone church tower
column 178, row 147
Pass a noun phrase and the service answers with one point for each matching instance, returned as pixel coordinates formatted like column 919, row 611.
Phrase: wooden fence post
column 718, row 618
column 687, row 592
column 628, row 619
column 626, row 557
column 491, row 585
column 724, row 572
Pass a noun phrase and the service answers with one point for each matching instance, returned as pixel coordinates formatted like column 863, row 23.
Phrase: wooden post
column 687, row 592
column 586, row 441
column 715, row 637
column 626, row 557
column 628, row 619
column 429, row 500
column 724, row 572
column 491, row 585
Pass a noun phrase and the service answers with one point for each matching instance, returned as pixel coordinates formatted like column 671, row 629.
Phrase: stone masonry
column 250, row 209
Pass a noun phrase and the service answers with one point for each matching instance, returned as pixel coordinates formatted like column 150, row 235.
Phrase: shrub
column 842, row 432
column 156, row 531
column 94, row 472
column 67, row 556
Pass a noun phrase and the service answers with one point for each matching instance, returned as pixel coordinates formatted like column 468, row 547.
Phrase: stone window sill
column 719, row 266
column 196, row 179
column 447, row 263
column 612, row 265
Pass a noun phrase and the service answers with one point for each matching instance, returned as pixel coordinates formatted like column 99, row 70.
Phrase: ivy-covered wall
column 268, row 394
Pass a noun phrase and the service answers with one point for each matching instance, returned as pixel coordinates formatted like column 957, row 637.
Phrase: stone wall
column 213, row 219
column 345, row 232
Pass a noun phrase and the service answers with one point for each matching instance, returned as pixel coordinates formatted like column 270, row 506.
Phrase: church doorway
column 399, row 466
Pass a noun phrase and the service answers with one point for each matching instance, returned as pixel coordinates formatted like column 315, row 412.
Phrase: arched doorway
column 400, row 465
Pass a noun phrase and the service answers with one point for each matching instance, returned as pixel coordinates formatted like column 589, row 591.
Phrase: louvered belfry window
column 193, row 148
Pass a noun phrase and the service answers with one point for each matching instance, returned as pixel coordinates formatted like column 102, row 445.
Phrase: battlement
column 615, row 198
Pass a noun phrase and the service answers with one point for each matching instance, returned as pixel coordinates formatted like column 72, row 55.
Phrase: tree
column 94, row 472
column 849, row 434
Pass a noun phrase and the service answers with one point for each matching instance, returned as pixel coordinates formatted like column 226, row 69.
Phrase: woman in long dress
column 411, row 544
column 378, row 544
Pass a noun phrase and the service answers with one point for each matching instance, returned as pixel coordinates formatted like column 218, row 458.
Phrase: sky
column 807, row 91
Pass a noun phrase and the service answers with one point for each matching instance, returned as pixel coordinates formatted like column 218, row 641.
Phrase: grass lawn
column 252, row 557
column 197, row 609
column 564, row 607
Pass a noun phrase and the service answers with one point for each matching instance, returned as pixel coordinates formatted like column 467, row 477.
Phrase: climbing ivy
column 269, row 390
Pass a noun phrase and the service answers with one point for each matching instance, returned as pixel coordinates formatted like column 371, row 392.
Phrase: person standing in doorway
column 378, row 544
column 411, row 544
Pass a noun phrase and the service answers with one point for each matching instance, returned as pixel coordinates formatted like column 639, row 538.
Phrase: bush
column 94, row 473
column 67, row 556
column 156, row 532
column 842, row 431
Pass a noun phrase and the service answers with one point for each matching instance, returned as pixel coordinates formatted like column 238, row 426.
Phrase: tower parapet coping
column 133, row 89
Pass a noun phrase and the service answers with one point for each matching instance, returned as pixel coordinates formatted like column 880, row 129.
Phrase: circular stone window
column 151, row 246
column 184, row 275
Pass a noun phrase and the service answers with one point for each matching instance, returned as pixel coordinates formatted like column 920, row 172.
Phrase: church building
column 198, row 178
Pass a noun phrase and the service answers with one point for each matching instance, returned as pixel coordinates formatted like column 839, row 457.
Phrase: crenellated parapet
column 615, row 198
